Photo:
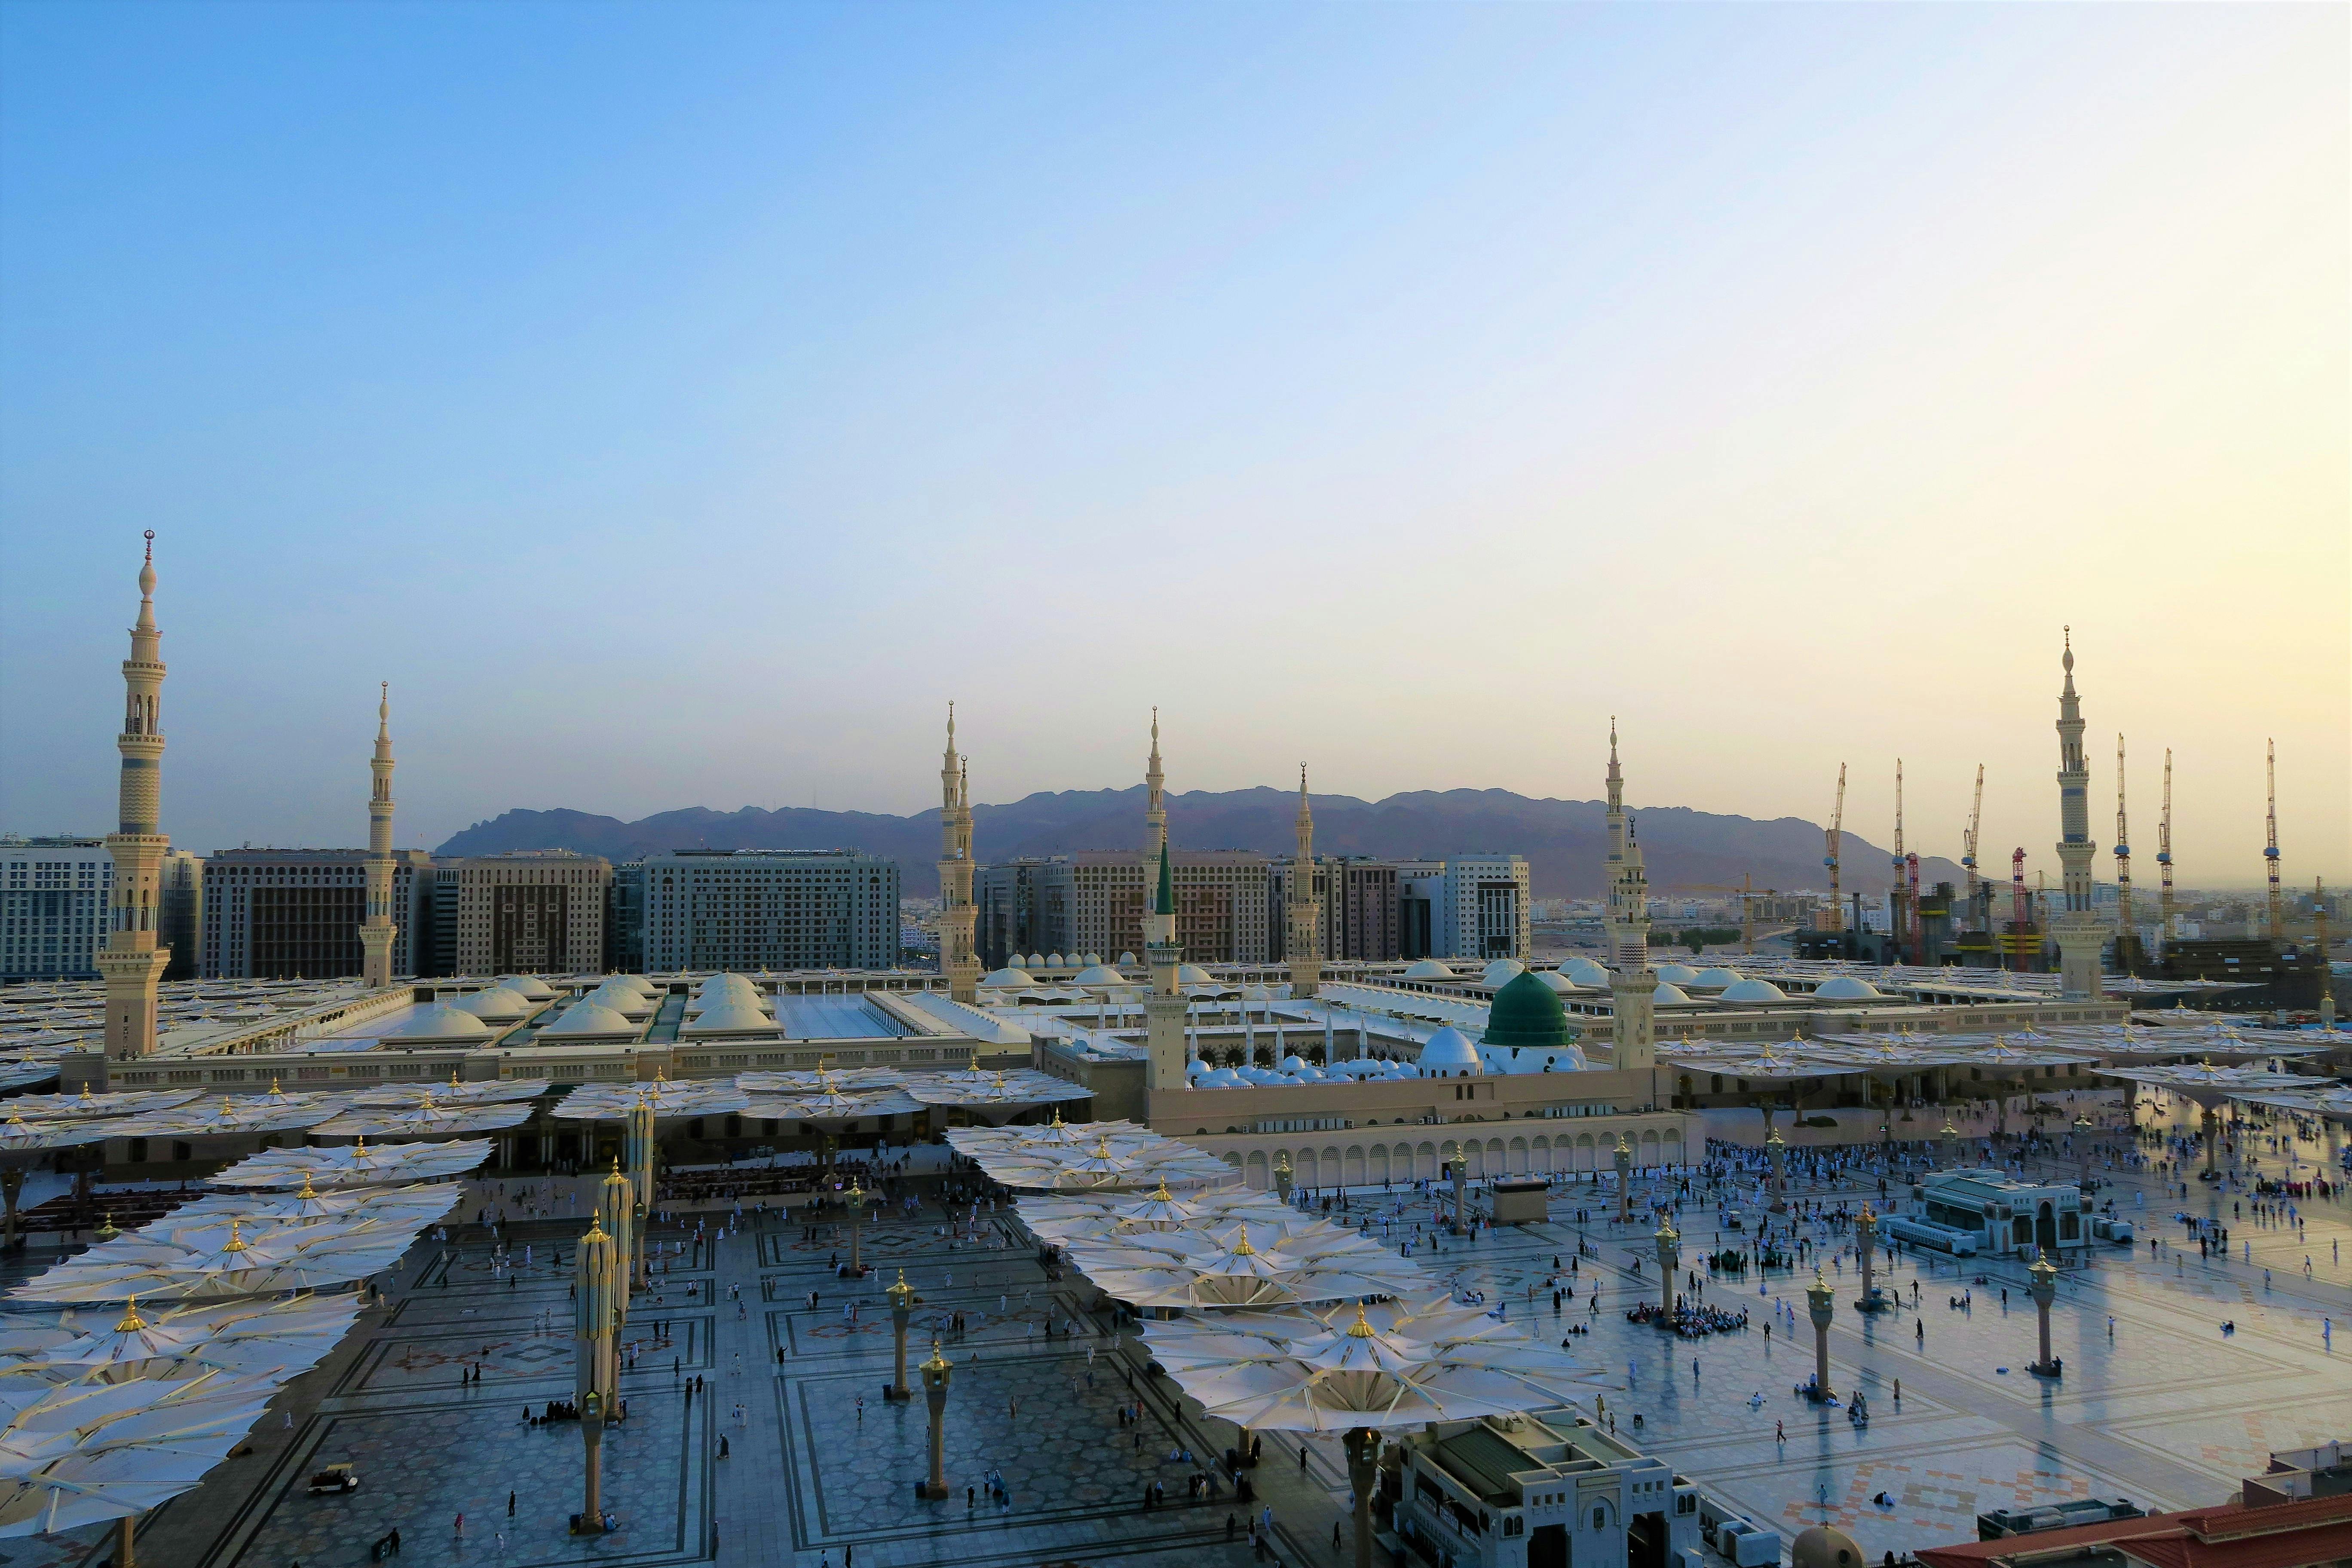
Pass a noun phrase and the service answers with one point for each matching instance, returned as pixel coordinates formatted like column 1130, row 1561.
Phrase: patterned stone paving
column 2168, row 1411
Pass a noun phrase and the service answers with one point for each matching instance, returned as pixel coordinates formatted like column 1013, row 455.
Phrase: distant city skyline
column 684, row 416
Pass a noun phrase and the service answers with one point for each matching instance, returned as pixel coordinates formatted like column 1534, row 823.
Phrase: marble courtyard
column 2168, row 1411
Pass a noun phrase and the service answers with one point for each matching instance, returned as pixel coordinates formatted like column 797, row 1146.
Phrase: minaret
column 377, row 932
column 957, row 960
column 1166, row 1009
column 130, row 961
column 1303, row 936
column 1631, row 986
column 1155, row 801
column 2080, row 936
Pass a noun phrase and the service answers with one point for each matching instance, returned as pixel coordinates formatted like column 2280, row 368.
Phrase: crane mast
column 2021, row 914
column 1897, row 921
column 2125, row 934
column 1834, row 917
column 2163, row 845
column 1969, row 851
column 2270, row 851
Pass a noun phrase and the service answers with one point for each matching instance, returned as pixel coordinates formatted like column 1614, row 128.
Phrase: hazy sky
column 680, row 404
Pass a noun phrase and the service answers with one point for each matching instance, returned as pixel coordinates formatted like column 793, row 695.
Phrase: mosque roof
column 1525, row 1013
column 443, row 1021
column 1754, row 990
column 1449, row 1050
column 1428, row 969
column 497, row 1003
column 590, row 1017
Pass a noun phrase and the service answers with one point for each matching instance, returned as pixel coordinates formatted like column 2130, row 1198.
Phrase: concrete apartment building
column 1358, row 902
column 1094, row 903
column 1465, row 906
column 287, row 914
column 746, row 910
column 53, row 899
column 539, row 911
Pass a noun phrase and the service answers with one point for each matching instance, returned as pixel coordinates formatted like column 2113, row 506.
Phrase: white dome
column 1224, row 1078
column 1193, row 975
column 1126, row 961
column 1196, row 1069
column 1847, row 988
column 722, row 987
column 590, row 1017
column 1007, row 978
column 1097, row 974
column 1714, row 979
column 530, row 985
column 1449, row 1051
column 1555, row 979
column 1669, row 992
column 1056, row 961
column 1754, row 990
column 1091, row 959
column 1293, row 1063
column 1034, row 960
column 1585, row 973
column 729, row 1018
column 1501, row 970
column 1674, row 973
column 1429, row 969
column 442, row 1021
column 497, row 1004
column 625, row 1000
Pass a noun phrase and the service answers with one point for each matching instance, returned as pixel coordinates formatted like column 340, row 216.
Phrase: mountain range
column 1565, row 841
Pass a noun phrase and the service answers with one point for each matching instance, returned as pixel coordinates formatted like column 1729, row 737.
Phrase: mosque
column 1348, row 1071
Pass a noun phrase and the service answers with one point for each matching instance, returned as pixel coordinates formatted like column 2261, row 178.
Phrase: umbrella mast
column 597, row 1379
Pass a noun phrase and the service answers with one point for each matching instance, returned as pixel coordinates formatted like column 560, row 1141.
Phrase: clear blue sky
column 680, row 404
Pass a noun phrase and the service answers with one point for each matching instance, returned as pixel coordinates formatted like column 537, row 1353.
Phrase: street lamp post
column 2210, row 1125
column 616, row 1203
column 1951, row 1144
column 1821, row 1303
column 902, row 1298
column 1623, row 1161
column 1282, row 1176
column 2083, row 1126
column 2041, row 1283
column 1778, row 1148
column 1669, row 1258
column 1363, row 1445
column 595, row 1314
column 856, row 1196
column 639, row 1146
column 937, row 1371
column 1461, row 1177
column 1865, row 1233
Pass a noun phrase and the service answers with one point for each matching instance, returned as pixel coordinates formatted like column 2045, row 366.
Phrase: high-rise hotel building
column 770, row 908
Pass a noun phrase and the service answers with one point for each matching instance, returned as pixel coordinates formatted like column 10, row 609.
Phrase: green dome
column 1526, row 1014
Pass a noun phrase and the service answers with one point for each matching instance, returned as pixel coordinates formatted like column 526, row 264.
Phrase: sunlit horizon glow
column 679, row 406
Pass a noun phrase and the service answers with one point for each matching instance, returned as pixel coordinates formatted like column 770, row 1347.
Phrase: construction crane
column 2126, row 938
column 1832, row 916
column 1968, row 849
column 1895, row 926
column 2164, row 845
column 2021, row 914
column 2270, row 851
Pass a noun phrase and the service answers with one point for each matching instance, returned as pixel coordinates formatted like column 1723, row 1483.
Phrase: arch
column 1378, row 1171
column 1302, row 1168
column 1647, row 1157
column 1517, row 1162
column 1539, row 1153
column 1494, row 1163
column 1255, row 1172
column 1583, row 1151
column 1354, row 1168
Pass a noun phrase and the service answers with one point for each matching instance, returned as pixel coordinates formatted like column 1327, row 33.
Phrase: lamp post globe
column 937, row 1374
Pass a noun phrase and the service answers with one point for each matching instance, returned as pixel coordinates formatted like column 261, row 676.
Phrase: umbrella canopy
column 1315, row 1264
column 204, row 1261
column 356, row 1165
column 611, row 1101
column 1134, row 1163
column 819, row 1080
column 419, row 1205
column 426, row 1118
column 1062, row 1220
column 1395, row 1364
column 995, row 1096
column 489, row 1091
column 2334, row 1101
column 2209, row 1085
column 130, row 1102
column 21, row 1137
column 232, row 1116
column 241, row 1336
column 78, row 1453
column 831, row 1106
